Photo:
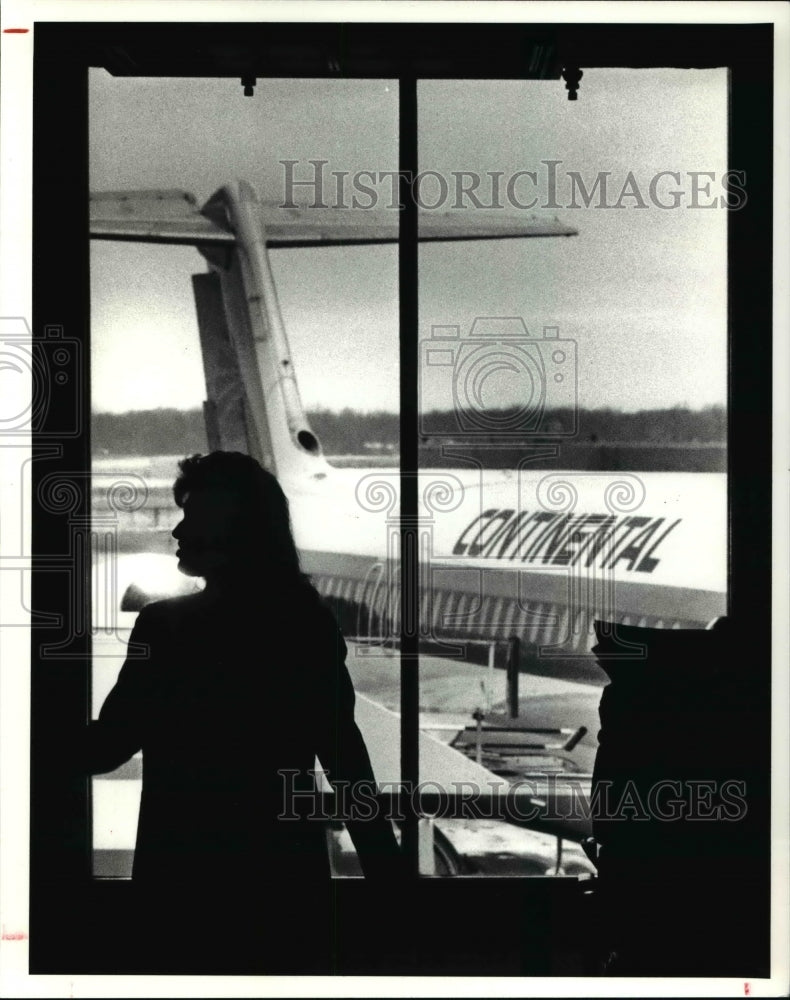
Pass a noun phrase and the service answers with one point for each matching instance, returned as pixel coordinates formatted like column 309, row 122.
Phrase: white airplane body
column 496, row 535
column 537, row 554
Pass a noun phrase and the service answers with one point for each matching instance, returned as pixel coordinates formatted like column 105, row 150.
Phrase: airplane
column 506, row 552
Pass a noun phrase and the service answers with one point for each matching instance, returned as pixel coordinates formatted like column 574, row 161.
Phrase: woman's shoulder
column 307, row 616
column 290, row 609
column 172, row 610
column 302, row 599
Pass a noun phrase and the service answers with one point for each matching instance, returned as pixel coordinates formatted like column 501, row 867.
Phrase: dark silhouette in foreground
column 679, row 803
column 231, row 693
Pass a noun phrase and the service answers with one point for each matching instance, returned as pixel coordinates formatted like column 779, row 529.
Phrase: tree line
column 170, row 431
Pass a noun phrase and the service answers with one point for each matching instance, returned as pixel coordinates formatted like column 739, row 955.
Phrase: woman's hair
column 265, row 522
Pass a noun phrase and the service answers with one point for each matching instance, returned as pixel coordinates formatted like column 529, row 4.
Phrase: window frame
column 67, row 906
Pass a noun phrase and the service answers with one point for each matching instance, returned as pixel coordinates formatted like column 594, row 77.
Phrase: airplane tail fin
column 253, row 397
column 276, row 425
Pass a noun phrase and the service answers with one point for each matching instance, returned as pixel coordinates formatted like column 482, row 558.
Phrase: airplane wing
column 549, row 803
column 175, row 217
column 152, row 217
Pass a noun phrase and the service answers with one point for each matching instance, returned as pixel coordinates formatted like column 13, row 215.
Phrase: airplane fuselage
column 534, row 554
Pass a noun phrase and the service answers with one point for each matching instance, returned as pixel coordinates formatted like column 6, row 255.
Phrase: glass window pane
column 302, row 143
column 573, row 409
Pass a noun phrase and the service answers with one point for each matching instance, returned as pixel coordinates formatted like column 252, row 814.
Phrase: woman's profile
column 239, row 687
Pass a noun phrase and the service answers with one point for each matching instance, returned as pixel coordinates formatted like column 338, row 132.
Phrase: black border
column 78, row 925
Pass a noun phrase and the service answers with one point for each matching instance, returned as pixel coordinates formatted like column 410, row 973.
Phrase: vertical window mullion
column 409, row 531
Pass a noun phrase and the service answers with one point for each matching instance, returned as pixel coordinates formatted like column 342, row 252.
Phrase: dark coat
column 223, row 696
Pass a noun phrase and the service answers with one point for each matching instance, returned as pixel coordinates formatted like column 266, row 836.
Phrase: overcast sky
column 642, row 291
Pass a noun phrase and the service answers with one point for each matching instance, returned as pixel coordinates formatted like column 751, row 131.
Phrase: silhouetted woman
column 242, row 685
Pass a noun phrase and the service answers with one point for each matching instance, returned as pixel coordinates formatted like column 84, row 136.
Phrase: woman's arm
column 344, row 756
column 118, row 732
